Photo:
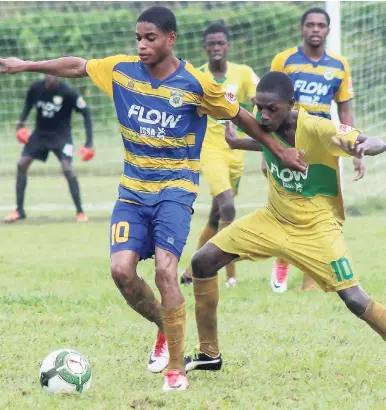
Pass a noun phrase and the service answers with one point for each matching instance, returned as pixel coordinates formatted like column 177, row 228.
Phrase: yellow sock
column 207, row 233
column 174, row 322
column 144, row 302
column 230, row 269
column 206, row 296
column 375, row 316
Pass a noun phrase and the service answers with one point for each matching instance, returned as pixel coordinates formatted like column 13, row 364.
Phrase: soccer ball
column 65, row 371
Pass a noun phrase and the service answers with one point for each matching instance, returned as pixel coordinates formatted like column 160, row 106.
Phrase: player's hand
column 86, row 153
column 294, row 159
column 23, row 134
column 359, row 168
column 231, row 135
column 11, row 65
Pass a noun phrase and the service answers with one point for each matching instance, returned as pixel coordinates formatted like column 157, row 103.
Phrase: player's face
column 153, row 44
column 315, row 30
column 217, row 47
column 273, row 111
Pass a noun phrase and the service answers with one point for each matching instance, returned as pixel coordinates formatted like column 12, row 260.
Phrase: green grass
column 295, row 351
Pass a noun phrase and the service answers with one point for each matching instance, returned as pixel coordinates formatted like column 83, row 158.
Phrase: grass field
column 295, row 351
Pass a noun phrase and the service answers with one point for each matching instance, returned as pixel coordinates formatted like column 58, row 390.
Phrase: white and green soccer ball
column 65, row 371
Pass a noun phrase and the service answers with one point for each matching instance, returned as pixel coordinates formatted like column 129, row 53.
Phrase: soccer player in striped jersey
column 221, row 166
column 319, row 77
column 162, row 104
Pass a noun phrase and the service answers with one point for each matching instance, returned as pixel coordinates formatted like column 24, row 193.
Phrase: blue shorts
column 141, row 228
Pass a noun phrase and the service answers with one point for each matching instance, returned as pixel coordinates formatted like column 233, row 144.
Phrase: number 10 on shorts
column 119, row 232
column 342, row 269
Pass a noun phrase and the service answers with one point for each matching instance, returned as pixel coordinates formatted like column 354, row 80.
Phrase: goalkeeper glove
column 22, row 133
column 86, row 153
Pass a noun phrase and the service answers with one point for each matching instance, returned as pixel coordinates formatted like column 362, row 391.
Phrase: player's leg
column 171, row 224
column 21, row 184
column 256, row 236
column 365, row 308
column 34, row 149
column 207, row 233
column 73, row 185
column 129, row 242
column 227, row 212
column 279, row 274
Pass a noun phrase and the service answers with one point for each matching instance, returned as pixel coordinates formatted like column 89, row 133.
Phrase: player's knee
column 355, row 299
column 22, row 166
column 68, row 173
column 121, row 272
column 227, row 212
column 202, row 263
column 165, row 275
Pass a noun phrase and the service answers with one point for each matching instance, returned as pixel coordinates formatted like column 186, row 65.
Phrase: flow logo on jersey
column 153, row 117
column 50, row 108
column 311, row 87
column 289, row 178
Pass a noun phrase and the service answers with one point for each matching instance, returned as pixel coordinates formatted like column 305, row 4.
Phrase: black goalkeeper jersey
column 54, row 107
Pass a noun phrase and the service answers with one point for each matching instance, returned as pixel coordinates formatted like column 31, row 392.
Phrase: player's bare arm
column 346, row 117
column 364, row 145
column 234, row 142
column 68, row 67
column 289, row 157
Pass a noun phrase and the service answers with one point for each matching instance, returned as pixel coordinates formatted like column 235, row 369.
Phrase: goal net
column 43, row 30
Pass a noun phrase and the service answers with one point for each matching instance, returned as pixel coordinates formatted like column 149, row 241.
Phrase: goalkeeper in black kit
column 54, row 102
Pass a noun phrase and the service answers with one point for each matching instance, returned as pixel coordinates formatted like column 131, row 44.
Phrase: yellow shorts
column 221, row 173
column 319, row 251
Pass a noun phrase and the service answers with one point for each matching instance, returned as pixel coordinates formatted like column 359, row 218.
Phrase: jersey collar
column 314, row 63
column 155, row 83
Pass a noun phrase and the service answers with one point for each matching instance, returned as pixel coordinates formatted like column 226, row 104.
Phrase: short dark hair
column 217, row 28
column 276, row 82
column 162, row 17
column 316, row 10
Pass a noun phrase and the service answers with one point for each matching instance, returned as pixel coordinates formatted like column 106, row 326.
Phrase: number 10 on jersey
column 119, row 232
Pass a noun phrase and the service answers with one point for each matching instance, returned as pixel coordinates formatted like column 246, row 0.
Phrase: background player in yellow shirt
column 162, row 104
column 319, row 77
column 221, row 166
column 301, row 222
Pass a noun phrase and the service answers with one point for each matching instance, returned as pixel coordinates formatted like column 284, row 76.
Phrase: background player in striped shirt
column 162, row 104
column 221, row 166
column 319, row 77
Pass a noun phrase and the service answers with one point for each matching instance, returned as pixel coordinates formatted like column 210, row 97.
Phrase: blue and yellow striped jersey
column 316, row 84
column 162, row 123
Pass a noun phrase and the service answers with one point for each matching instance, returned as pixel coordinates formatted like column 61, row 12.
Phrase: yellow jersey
column 307, row 199
column 241, row 81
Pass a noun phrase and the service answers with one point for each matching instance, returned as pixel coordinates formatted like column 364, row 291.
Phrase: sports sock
column 144, row 302
column 21, row 183
column 75, row 193
column 230, row 269
column 174, row 323
column 207, row 233
column 375, row 316
column 206, row 296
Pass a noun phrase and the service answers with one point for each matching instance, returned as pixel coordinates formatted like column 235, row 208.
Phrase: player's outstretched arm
column 68, row 67
column 289, row 157
column 234, row 142
column 364, row 145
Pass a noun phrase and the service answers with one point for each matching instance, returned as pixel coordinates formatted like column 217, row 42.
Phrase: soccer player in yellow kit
column 319, row 77
column 162, row 104
column 301, row 222
column 222, row 167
